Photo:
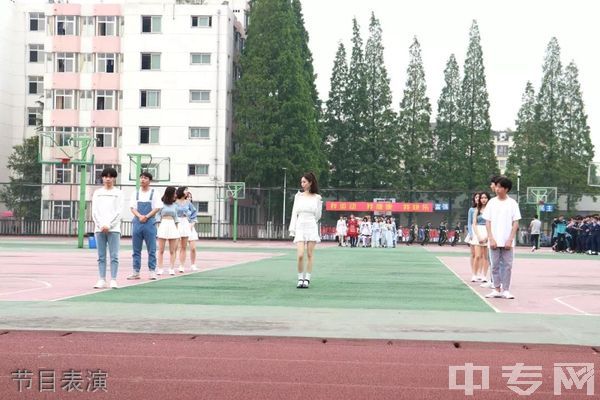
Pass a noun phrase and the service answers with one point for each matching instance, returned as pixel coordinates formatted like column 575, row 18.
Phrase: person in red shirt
column 353, row 230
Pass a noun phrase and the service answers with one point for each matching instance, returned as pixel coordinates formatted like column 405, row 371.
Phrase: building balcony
column 107, row 10
column 65, row 80
column 66, row 44
column 65, row 9
column 106, row 44
column 64, row 118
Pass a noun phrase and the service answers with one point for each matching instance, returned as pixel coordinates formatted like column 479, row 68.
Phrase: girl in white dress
column 306, row 213
column 340, row 231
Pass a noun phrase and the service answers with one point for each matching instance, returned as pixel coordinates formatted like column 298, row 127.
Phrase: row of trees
column 358, row 140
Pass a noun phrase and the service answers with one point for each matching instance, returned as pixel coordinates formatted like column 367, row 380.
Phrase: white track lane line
column 469, row 286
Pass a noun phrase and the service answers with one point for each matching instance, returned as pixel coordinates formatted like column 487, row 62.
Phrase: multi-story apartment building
column 503, row 142
column 151, row 76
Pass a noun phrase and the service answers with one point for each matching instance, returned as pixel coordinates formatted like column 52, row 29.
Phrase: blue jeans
column 112, row 240
column 144, row 233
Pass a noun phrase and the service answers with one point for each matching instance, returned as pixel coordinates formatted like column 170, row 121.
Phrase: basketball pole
column 85, row 147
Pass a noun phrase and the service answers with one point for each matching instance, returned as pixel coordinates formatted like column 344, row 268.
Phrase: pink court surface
column 309, row 360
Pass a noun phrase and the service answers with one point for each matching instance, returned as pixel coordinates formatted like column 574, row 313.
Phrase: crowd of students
column 367, row 232
column 579, row 234
column 170, row 218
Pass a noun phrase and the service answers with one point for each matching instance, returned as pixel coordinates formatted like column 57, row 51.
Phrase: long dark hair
column 474, row 204
column 167, row 197
column 479, row 205
column 314, row 185
column 180, row 193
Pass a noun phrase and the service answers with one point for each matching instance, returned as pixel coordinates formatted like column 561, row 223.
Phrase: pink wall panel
column 65, row 118
column 107, row 9
column 66, row 9
column 65, row 80
column 105, row 118
column 106, row 44
column 106, row 81
column 106, row 155
column 66, row 43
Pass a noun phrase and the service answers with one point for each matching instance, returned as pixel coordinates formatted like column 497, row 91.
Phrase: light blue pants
column 110, row 239
column 144, row 233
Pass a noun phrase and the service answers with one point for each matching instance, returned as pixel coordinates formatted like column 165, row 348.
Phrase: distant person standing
column 107, row 207
column 144, row 205
column 535, row 228
column 304, row 227
column 502, row 217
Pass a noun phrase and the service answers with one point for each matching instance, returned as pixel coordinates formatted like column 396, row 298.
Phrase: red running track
column 147, row 366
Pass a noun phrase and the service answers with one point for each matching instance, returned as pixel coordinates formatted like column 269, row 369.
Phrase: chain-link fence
column 264, row 213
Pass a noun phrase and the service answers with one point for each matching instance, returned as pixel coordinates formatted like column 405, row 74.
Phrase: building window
column 200, row 58
column 201, row 206
column 197, row 132
column 104, row 137
column 37, row 21
column 33, row 115
column 36, row 84
column 105, row 100
column 149, row 134
column 150, row 61
column 62, row 136
column 149, row 98
column 106, row 26
column 85, row 100
column 106, row 62
column 197, row 169
column 151, row 24
column 201, row 21
column 65, row 25
column 64, row 100
column 65, row 62
column 502, row 150
column 199, row 96
column 63, row 173
column 61, row 209
column 36, row 53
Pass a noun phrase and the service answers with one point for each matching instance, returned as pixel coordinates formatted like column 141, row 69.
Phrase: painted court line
column 564, row 303
column 46, row 286
column 469, row 286
column 168, row 277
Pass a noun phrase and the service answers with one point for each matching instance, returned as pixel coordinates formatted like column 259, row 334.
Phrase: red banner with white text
column 364, row 206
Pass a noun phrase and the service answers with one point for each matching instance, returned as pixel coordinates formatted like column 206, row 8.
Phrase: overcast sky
column 514, row 37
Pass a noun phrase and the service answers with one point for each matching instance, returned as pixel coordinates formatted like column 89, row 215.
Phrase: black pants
column 535, row 240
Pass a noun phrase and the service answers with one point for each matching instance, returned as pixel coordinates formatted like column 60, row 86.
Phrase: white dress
column 305, row 215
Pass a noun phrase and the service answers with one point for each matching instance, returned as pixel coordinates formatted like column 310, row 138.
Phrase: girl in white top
column 306, row 212
column 340, row 230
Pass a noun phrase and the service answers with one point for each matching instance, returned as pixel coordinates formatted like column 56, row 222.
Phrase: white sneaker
column 474, row 278
column 493, row 294
column 113, row 284
column 480, row 278
column 100, row 284
column 159, row 271
column 153, row 276
column 193, row 267
column 507, row 295
column 171, row 271
column 487, row 285
column 181, row 269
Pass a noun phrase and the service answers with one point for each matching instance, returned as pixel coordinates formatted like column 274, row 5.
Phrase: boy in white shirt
column 107, row 206
column 502, row 217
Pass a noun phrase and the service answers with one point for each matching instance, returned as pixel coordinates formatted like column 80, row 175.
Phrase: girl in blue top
column 479, row 241
column 469, row 238
column 183, row 213
column 167, row 230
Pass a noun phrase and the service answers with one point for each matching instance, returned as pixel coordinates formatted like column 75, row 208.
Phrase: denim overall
column 145, row 232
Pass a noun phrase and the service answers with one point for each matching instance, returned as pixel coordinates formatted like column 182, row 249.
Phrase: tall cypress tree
column 275, row 112
column 377, row 152
column 549, row 112
column 575, row 146
column 447, row 153
column 527, row 156
column 414, row 131
column 337, row 136
column 477, row 143
column 356, row 106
